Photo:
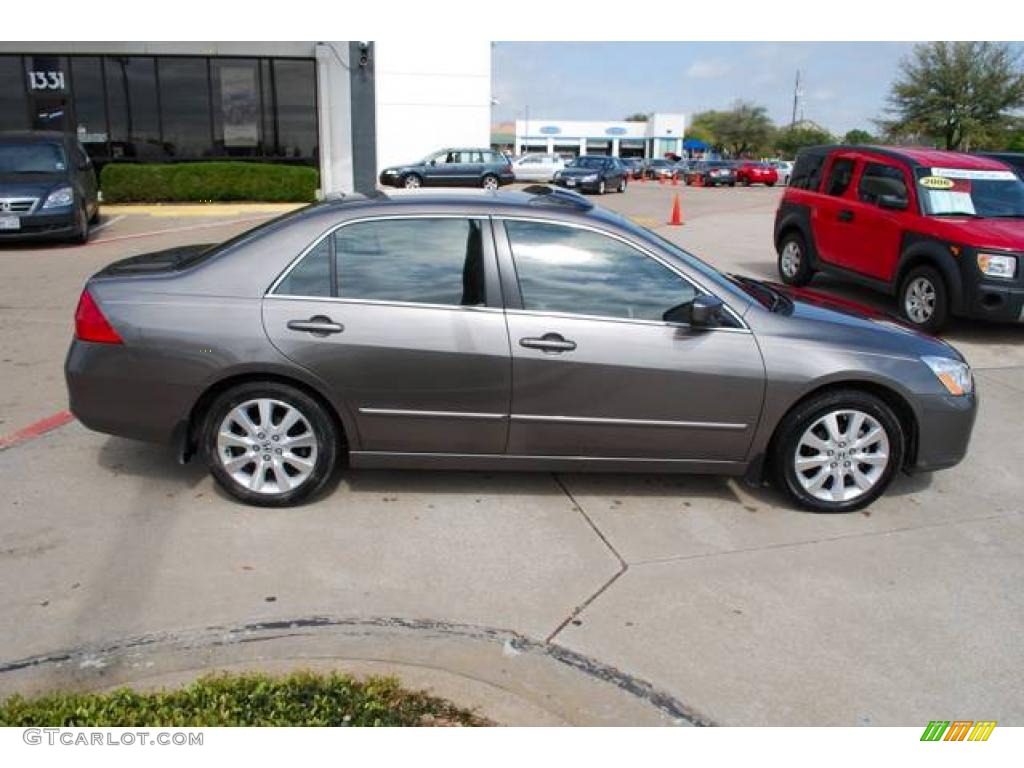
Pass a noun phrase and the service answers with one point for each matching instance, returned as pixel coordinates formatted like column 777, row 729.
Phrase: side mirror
column 703, row 311
column 892, row 202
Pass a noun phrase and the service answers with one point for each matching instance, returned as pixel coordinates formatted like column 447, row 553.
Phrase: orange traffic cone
column 677, row 213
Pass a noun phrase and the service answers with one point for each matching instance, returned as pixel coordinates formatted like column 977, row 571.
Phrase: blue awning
column 696, row 144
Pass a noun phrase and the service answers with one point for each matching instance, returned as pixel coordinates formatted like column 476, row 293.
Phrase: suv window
column 420, row 261
column 879, row 179
column 566, row 269
column 468, row 156
column 807, row 171
column 839, row 177
column 494, row 157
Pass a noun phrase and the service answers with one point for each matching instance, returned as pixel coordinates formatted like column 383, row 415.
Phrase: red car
column 942, row 231
column 748, row 173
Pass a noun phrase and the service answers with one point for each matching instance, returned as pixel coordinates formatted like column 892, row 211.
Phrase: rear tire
column 794, row 265
column 849, row 444
column 924, row 299
column 275, row 475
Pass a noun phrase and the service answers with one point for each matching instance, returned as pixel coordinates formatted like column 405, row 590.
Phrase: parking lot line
column 173, row 230
column 37, row 429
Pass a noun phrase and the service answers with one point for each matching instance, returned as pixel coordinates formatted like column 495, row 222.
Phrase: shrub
column 299, row 699
column 207, row 182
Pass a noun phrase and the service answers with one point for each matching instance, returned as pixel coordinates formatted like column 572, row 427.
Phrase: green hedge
column 207, row 182
column 302, row 698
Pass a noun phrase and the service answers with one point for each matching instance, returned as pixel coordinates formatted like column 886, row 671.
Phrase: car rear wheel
column 412, row 181
column 839, row 451
column 490, row 181
column 269, row 444
column 923, row 299
column 794, row 266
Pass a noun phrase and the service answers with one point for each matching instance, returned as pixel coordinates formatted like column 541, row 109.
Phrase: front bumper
column 583, row 186
column 991, row 298
column 390, row 179
column 945, row 423
column 41, row 226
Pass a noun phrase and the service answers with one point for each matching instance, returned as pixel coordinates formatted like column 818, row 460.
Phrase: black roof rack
column 545, row 195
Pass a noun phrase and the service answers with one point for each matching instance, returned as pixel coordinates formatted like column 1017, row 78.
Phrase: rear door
column 470, row 167
column 833, row 219
column 402, row 318
column 880, row 230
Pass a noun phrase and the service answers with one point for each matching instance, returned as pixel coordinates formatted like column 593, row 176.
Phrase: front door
column 597, row 372
column 401, row 318
column 880, row 229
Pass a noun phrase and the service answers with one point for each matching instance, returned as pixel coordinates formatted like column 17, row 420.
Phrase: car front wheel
column 622, row 184
column 601, row 187
column 839, row 451
column 490, row 182
column 269, row 444
column 923, row 299
column 794, row 266
column 81, row 232
column 412, row 181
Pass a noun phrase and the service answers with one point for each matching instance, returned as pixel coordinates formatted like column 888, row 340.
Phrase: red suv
column 757, row 173
column 942, row 231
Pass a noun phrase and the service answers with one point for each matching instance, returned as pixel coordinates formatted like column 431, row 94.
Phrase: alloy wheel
column 791, row 258
column 412, row 182
column 490, row 183
column 919, row 301
column 842, row 456
column 267, row 446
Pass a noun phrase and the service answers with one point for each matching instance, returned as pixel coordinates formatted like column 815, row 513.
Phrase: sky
column 844, row 84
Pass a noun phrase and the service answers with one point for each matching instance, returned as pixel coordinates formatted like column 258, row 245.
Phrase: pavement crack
column 623, row 565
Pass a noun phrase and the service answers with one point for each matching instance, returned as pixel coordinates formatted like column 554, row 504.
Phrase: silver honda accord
column 522, row 330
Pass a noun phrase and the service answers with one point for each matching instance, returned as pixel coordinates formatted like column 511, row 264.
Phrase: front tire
column 924, row 300
column 269, row 444
column 622, row 185
column 412, row 181
column 794, row 265
column 838, row 452
column 81, row 234
column 490, row 182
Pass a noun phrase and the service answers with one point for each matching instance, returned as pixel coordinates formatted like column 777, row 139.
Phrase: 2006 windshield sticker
column 936, row 182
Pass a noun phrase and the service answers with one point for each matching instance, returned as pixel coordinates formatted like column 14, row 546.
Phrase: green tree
column 744, row 129
column 959, row 94
column 636, row 117
column 788, row 141
column 858, row 136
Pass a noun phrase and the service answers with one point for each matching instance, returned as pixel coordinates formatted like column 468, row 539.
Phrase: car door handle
column 318, row 325
column 846, row 215
column 549, row 342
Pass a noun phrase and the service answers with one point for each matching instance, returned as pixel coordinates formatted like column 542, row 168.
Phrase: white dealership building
column 659, row 135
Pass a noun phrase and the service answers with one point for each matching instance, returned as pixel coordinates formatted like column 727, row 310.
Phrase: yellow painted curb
column 171, row 210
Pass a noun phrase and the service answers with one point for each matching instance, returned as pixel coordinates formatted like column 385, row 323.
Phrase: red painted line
column 40, row 428
column 172, row 230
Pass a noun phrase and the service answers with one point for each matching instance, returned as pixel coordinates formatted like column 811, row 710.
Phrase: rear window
column 807, row 171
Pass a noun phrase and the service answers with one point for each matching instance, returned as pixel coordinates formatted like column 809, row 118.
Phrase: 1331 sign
column 46, row 81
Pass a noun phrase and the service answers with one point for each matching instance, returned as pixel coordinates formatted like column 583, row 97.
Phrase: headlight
column 60, row 198
column 997, row 265
column 955, row 376
column 558, row 175
column 590, row 177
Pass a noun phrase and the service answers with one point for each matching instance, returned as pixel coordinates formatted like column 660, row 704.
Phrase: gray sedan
column 522, row 331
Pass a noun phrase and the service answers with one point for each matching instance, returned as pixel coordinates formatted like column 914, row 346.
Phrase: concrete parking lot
column 539, row 598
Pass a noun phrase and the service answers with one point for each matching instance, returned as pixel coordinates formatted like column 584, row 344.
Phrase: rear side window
column 565, row 269
column 807, row 171
column 419, row 261
column 879, row 179
column 839, row 177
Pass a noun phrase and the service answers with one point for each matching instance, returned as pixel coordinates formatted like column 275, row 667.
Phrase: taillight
column 91, row 325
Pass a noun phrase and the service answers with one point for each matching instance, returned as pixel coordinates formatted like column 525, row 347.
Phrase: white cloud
column 709, row 68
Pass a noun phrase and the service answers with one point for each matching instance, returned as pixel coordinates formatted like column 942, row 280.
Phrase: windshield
column 659, row 163
column 957, row 192
column 587, row 162
column 32, row 158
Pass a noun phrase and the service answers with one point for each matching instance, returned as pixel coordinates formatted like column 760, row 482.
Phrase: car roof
column 920, row 156
column 33, row 137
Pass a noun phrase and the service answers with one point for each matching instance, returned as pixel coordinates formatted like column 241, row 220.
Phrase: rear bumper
column 945, row 424
column 42, row 227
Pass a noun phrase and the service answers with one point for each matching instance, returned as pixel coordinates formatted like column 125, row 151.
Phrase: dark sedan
column 518, row 331
column 452, row 168
column 593, row 173
column 712, row 173
column 47, row 187
column 658, row 168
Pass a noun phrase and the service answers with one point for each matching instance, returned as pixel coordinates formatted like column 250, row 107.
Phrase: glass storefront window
column 90, row 111
column 237, row 116
column 13, row 99
column 185, row 106
column 295, row 91
column 132, row 104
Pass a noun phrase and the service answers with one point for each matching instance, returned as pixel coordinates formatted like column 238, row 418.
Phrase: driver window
column 879, row 179
column 578, row 271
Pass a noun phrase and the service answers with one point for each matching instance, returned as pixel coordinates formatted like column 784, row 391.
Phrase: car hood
column 1007, row 234
column 844, row 322
column 16, row 185
column 579, row 171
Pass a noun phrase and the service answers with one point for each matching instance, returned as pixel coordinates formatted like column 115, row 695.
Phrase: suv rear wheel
column 839, row 451
column 794, row 266
column 923, row 298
